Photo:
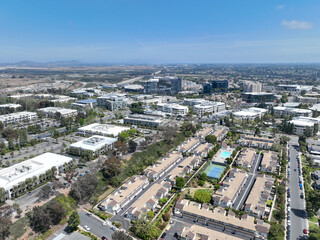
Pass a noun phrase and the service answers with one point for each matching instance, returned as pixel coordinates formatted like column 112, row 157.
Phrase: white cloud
column 294, row 24
column 280, row 7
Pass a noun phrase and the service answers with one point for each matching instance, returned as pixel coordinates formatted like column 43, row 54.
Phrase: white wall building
column 250, row 113
column 10, row 105
column 12, row 176
column 209, row 107
column 96, row 145
column 18, row 117
column 252, row 86
column 294, row 112
column 173, row 108
column 102, row 129
column 301, row 125
column 64, row 112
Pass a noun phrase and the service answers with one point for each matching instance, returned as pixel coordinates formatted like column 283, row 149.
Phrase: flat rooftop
column 35, row 166
column 94, row 143
column 103, row 129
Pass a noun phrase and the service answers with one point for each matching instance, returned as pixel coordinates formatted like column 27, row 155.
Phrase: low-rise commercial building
column 94, row 145
column 123, row 195
column 18, row 117
column 173, row 109
column 102, row 129
column 143, row 120
column 301, row 126
column 54, row 112
column 209, row 107
column 294, row 112
column 250, row 113
column 10, row 105
column 17, row 178
column 87, row 103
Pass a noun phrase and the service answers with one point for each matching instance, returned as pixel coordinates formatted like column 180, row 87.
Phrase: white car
column 86, row 228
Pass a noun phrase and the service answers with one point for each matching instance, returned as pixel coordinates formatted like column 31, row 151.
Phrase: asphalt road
column 297, row 214
column 95, row 225
column 120, row 218
column 246, row 189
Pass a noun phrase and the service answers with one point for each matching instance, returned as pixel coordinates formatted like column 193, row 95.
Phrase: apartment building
column 269, row 162
column 221, row 133
column 218, row 218
column 189, row 146
column 95, row 145
column 184, row 168
column 162, row 166
column 203, row 149
column 204, row 132
column 256, row 203
column 226, row 195
column 256, row 141
column 18, row 117
column 54, row 112
column 196, row 232
column 123, row 195
column 246, row 158
column 148, row 201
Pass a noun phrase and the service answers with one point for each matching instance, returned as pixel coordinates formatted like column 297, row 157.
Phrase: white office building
column 294, row 112
column 18, row 117
column 173, row 109
column 209, row 107
column 53, row 111
column 252, row 86
column 12, row 177
column 250, row 113
column 301, row 126
column 96, row 145
column 10, row 105
column 102, row 129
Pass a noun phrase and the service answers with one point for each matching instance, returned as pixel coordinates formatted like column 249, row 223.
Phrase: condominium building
column 12, row 177
column 226, row 195
column 124, row 194
column 148, row 201
column 189, row 145
column 162, row 166
column 256, row 142
column 256, row 203
column 53, row 112
column 246, row 158
column 18, row 117
column 218, row 218
column 269, row 162
column 95, row 145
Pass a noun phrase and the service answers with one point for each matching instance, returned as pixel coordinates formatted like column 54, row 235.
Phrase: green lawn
column 313, row 227
column 314, row 219
column 19, row 227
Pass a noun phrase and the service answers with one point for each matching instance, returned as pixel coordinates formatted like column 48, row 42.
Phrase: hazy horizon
column 166, row 32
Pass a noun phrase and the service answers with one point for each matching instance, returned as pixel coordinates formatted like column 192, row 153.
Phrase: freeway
column 95, row 225
column 298, row 215
column 245, row 191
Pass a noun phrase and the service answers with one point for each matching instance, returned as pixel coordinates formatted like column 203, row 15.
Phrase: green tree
column 257, row 131
column 211, row 139
column 2, row 195
column 81, row 121
column 203, row 176
column 163, row 201
column 276, row 232
column 150, row 215
column 180, row 182
column 40, row 220
column 202, row 196
column 123, row 136
column 74, row 221
column 17, row 208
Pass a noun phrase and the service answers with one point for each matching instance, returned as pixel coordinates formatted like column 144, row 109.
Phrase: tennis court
column 214, row 171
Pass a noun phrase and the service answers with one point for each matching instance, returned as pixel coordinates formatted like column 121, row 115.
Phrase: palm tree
column 34, row 180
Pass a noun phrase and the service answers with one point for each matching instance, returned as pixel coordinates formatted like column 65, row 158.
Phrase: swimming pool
column 225, row 154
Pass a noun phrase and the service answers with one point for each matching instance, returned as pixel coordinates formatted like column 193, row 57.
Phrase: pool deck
column 218, row 159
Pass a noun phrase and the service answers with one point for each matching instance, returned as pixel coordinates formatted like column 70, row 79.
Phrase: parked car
column 305, row 231
column 86, row 227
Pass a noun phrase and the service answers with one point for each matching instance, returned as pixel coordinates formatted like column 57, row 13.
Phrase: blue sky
column 160, row 31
